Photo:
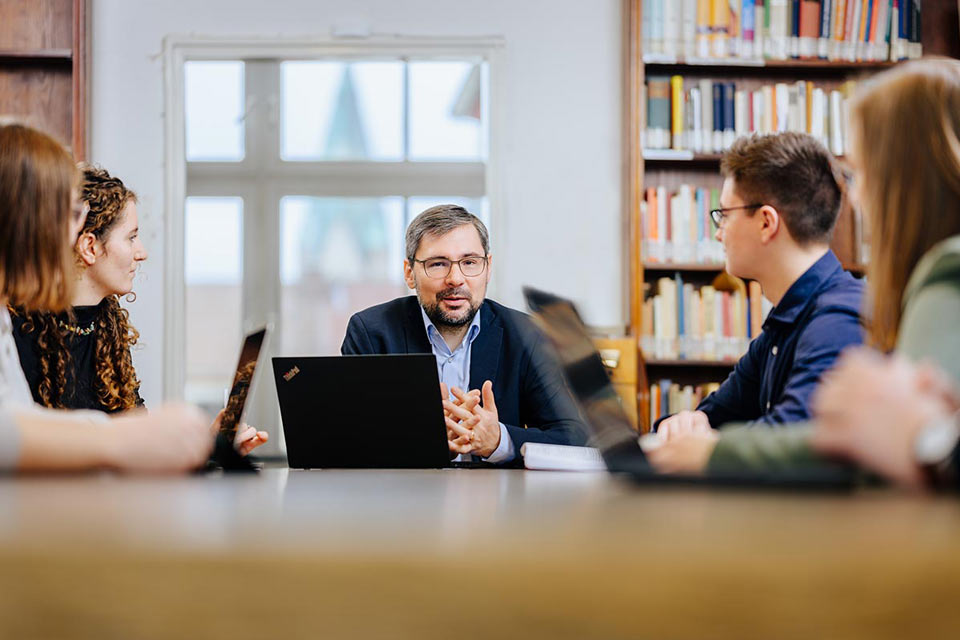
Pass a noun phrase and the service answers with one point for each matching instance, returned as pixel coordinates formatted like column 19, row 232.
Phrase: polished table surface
column 468, row 553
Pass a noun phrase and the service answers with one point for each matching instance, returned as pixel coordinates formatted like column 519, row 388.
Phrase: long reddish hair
column 906, row 132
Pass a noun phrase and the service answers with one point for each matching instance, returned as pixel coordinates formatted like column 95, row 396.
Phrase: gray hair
column 440, row 220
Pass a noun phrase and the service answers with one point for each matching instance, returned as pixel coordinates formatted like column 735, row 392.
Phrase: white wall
column 560, row 225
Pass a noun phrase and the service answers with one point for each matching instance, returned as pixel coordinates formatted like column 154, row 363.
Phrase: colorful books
column 851, row 30
column 676, row 225
column 668, row 397
column 684, row 322
column 707, row 115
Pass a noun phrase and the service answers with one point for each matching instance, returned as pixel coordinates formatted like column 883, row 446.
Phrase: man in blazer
column 501, row 385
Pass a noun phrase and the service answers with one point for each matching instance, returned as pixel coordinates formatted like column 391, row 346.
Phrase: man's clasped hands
column 473, row 426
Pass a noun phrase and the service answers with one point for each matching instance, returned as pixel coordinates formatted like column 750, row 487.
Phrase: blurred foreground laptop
column 611, row 431
column 364, row 411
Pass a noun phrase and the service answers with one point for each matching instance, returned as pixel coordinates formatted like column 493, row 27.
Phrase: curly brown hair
column 116, row 382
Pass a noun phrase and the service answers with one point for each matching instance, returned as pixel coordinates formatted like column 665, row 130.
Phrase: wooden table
column 467, row 554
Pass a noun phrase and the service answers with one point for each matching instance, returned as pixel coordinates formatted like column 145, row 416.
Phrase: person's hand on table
column 477, row 429
column 870, row 409
column 686, row 452
column 246, row 439
column 684, row 423
column 171, row 438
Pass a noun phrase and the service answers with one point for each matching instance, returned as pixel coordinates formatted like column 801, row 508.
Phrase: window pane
column 342, row 111
column 446, row 110
column 214, row 93
column 477, row 206
column 213, row 270
column 338, row 256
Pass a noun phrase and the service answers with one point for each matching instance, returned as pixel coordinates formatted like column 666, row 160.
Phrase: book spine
column 778, row 22
column 676, row 114
column 706, row 97
column 646, row 32
column 704, row 28
column 916, row 48
column 794, row 32
column 733, row 28
column 671, row 27
column 826, row 23
column 729, row 114
column 658, row 112
column 696, row 108
column 688, row 34
column 748, row 21
column 808, row 26
column 719, row 18
column 839, row 25
column 717, row 116
column 761, row 24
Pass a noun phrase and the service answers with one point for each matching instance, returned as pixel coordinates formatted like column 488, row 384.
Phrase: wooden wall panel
column 39, row 96
column 27, row 25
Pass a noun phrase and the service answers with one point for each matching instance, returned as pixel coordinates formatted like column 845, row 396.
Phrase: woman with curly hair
column 81, row 359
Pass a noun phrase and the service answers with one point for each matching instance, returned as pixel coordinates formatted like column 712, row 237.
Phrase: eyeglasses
column 437, row 268
column 718, row 216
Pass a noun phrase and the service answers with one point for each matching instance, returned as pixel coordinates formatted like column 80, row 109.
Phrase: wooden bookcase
column 43, row 60
column 940, row 36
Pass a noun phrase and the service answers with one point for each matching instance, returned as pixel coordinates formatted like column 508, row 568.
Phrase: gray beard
column 440, row 318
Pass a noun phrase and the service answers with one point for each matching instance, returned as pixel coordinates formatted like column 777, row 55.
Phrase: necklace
column 72, row 328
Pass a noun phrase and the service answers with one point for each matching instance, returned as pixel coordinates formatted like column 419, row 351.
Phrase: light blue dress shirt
column 453, row 367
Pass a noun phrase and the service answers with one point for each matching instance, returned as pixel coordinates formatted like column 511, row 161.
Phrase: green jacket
column 928, row 331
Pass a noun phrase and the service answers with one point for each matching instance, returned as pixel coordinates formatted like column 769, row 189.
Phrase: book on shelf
column 683, row 322
column 668, row 397
column 756, row 30
column 676, row 225
column 707, row 115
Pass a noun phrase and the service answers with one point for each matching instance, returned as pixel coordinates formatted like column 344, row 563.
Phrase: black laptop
column 611, row 432
column 370, row 411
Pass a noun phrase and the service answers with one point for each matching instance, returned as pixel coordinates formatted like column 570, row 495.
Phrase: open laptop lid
column 243, row 379
column 610, row 428
column 612, row 433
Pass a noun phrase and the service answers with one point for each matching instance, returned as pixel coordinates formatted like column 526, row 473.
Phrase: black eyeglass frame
column 718, row 215
column 484, row 259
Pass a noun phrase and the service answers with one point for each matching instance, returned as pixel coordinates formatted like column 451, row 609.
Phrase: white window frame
column 387, row 176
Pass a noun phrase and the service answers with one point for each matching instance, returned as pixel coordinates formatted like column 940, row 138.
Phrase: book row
column 668, row 397
column 706, row 116
column 676, row 225
column 850, row 30
column 681, row 321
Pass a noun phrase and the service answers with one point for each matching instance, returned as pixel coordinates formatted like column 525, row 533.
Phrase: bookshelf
column 670, row 167
column 43, row 61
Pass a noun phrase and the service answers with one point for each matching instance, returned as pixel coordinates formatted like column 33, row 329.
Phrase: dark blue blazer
column 533, row 401
column 772, row 384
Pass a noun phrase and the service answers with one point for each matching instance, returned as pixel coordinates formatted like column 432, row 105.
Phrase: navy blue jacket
column 533, row 401
column 817, row 318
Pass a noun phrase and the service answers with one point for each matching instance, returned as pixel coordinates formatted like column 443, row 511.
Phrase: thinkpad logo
column 288, row 376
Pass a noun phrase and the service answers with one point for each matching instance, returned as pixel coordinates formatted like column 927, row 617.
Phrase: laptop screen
column 242, row 379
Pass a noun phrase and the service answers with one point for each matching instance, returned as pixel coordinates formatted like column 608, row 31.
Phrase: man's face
column 739, row 233
column 453, row 300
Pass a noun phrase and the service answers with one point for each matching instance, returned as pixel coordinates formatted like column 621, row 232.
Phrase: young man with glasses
column 780, row 200
column 501, row 386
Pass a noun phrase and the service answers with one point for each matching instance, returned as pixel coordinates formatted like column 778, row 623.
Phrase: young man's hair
column 795, row 174
column 440, row 220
